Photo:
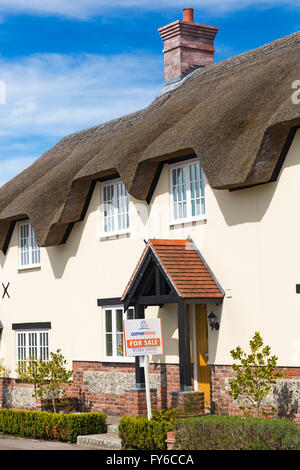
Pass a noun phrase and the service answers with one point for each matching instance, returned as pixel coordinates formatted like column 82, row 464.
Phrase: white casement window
column 188, row 192
column 29, row 251
column 115, row 208
column 113, row 331
column 32, row 345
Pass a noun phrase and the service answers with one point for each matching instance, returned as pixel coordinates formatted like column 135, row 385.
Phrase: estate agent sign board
column 143, row 338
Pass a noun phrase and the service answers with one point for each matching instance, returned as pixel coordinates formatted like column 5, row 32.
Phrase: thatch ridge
column 235, row 116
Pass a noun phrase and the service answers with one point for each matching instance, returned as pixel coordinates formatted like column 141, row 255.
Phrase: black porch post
column 139, row 312
column 184, row 346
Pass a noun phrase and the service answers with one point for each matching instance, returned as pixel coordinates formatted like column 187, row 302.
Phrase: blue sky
column 71, row 64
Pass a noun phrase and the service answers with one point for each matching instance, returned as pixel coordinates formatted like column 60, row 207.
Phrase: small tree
column 31, row 372
column 52, row 377
column 47, row 377
column 254, row 375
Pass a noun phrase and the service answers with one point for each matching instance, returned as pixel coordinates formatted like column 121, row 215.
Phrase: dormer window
column 188, row 192
column 29, row 251
column 115, row 208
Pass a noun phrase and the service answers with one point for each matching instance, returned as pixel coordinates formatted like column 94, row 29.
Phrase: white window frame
column 115, row 213
column 24, row 350
column 189, row 217
column 33, row 248
column 114, row 357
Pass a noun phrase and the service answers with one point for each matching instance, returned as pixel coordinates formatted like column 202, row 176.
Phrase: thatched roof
column 235, row 116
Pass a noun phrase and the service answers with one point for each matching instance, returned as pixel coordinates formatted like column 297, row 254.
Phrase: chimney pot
column 188, row 15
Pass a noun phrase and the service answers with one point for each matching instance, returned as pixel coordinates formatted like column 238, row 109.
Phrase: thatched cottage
column 186, row 210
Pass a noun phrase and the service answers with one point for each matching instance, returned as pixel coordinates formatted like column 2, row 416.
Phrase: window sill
column 33, row 267
column 193, row 222
column 117, row 359
column 114, row 235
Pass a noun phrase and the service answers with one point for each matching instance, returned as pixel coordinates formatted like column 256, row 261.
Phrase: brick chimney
column 186, row 44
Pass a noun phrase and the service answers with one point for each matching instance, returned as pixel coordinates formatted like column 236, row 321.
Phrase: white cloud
column 54, row 94
column 50, row 95
column 84, row 9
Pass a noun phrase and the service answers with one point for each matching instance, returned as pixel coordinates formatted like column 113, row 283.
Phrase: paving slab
column 109, row 440
column 19, row 443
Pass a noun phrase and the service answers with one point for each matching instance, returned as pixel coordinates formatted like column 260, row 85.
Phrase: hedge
column 137, row 432
column 236, row 433
column 51, row 426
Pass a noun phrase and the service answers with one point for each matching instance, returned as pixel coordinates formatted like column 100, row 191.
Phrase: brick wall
column 284, row 395
column 103, row 386
column 109, row 387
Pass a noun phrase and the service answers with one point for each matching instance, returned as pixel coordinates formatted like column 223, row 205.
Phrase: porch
column 174, row 272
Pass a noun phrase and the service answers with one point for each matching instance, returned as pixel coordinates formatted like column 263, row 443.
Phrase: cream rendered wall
column 250, row 240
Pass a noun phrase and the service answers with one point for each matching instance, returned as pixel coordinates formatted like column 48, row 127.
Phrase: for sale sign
column 143, row 337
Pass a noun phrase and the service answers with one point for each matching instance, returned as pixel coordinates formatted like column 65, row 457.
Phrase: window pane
column 109, row 351
column 184, row 210
column 179, row 191
column 174, row 177
column 32, row 345
column 119, row 320
column 123, row 207
column 108, row 208
column 120, row 345
column 35, row 250
column 21, row 351
column 193, row 208
column 108, row 321
column 192, row 172
column 202, row 181
column 44, row 349
column 197, row 188
column 203, row 205
column 24, row 244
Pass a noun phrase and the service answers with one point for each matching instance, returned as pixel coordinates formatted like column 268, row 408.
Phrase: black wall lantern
column 213, row 321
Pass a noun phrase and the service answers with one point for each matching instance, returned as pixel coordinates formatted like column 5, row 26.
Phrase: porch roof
column 184, row 266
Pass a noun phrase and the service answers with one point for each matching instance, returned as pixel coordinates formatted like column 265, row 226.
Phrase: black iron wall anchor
column 5, row 290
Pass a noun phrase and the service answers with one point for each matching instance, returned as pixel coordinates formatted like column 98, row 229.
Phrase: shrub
column 137, row 432
column 51, row 426
column 254, row 375
column 236, row 433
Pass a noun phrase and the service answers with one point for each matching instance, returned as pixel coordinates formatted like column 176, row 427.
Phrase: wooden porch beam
column 139, row 313
column 157, row 299
column 184, row 346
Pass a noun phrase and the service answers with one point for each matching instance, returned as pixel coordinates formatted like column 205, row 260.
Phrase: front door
column 202, row 353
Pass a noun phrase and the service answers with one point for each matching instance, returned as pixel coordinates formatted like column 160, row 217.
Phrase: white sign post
column 143, row 338
column 147, row 384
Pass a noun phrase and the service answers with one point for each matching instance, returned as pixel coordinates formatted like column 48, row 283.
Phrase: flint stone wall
column 116, row 382
column 16, row 395
column 284, row 394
